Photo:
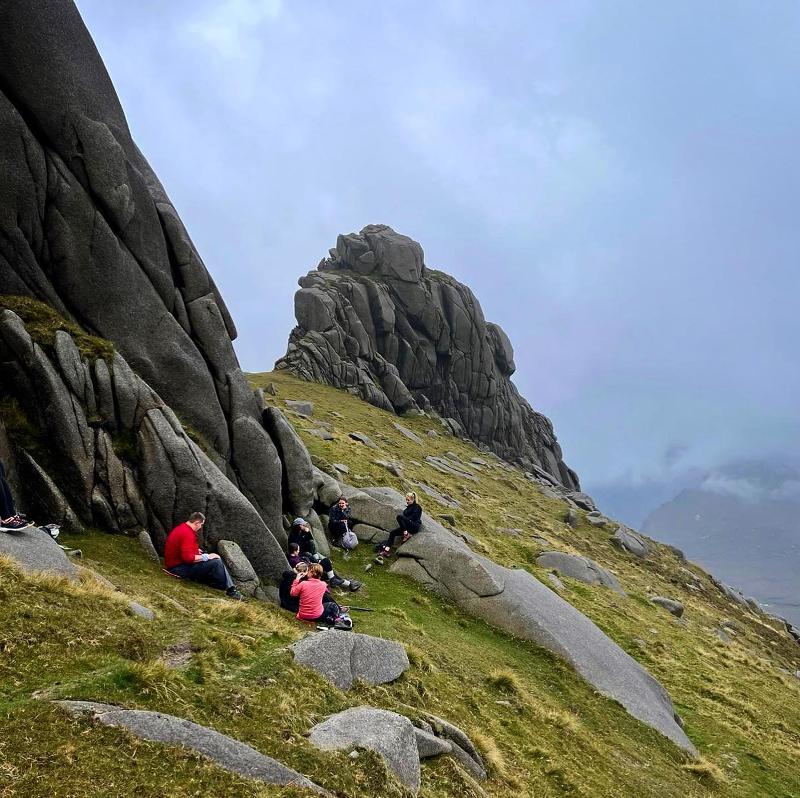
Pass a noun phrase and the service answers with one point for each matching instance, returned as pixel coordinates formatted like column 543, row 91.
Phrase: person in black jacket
column 10, row 521
column 408, row 522
column 338, row 520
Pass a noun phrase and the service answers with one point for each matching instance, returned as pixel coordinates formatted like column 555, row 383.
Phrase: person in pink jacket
column 310, row 589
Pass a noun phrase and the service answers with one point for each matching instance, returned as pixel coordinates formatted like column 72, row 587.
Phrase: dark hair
column 197, row 517
column 341, row 499
column 294, row 547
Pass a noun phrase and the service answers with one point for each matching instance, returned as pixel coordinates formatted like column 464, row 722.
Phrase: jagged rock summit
column 375, row 320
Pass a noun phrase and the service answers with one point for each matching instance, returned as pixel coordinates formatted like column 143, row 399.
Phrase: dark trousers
column 337, row 529
column 6, row 500
column 402, row 526
column 330, row 612
column 210, row 572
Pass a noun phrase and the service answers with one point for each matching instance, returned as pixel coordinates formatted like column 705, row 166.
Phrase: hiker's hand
column 213, row 556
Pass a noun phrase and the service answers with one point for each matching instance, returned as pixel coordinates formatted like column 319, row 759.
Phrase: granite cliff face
column 87, row 229
column 375, row 320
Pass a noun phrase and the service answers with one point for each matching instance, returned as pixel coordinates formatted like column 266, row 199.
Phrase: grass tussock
column 707, row 772
column 505, row 681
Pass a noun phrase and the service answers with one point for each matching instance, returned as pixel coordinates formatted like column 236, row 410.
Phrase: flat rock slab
column 304, row 408
column 344, row 657
column 362, row 438
column 412, row 436
column 232, row 755
column 581, row 568
column 631, row 542
column 390, row 735
column 35, row 551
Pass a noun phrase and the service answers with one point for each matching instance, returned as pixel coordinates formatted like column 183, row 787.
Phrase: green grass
column 42, row 322
column 542, row 730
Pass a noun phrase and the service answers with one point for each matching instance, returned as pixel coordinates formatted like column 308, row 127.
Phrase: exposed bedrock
column 373, row 319
column 513, row 600
column 87, row 228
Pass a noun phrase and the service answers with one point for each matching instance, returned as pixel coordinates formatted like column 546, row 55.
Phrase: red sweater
column 181, row 546
column 311, row 592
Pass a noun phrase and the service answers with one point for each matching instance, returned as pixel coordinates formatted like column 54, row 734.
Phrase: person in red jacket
column 184, row 558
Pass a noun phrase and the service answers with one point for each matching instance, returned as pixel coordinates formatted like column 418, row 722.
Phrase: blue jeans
column 211, row 572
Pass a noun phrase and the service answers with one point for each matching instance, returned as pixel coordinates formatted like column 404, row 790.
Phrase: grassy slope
column 543, row 730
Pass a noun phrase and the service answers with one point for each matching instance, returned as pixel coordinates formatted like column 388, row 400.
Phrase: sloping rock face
column 87, row 228
column 515, row 601
column 373, row 319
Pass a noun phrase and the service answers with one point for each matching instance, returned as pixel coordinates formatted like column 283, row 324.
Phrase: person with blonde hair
column 408, row 522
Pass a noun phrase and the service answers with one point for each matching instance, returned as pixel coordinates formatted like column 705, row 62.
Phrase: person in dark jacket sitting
column 338, row 519
column 303, row 547
column 408, row 522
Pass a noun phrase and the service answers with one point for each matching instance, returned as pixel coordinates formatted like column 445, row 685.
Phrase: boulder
column 429, row 745
column 572, row 518
column 141, row 611
column 298, row 485
column 387, row 733
column 412, row 436
column 344, row 657
column 146, row 542
column 35, row 551
column 230, row 754
column 630, row 542
column 581, row 568
column 373, row 320
column 583, row 500
column 362, row 438
column 242, row 572
column 301, row 407
column 670, row 605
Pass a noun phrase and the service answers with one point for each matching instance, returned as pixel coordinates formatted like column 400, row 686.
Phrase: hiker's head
column 411, row 497
column 301, row 523
column 294, row 548
column 342, row 502
column 196, row 521
column 301, row 567
column 315, row 571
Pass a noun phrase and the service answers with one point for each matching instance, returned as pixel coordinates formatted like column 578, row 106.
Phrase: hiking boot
column 336, row 581
column 233, row 593
column 355, row 585
column 406, row 537
column 378, row 560
column 14, row 524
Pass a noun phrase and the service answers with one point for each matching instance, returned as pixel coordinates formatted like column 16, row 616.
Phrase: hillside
column 541, row 729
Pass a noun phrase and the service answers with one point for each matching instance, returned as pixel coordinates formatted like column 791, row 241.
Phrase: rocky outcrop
column 35, row 551
column 164, row 422
column 514, row 601
column 230, row 754
column 375, row 320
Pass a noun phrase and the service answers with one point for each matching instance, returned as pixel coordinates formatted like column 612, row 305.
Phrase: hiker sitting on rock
column 408, row 522
column 339, row 520
column 309, row 588
column 303, row 547
column 184, row 558
column 10, row 521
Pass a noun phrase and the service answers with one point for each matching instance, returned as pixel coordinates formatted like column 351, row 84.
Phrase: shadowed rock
column 373, row 319
column 581, row 568
column 34, row 550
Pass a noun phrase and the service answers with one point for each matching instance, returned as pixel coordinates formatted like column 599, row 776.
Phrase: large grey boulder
column 346, row 656
column 581, row 568
column 630, row 542
column 670, row 605
column 230, row 754
column 35, row 551
column 87, row 229
column 387, row 733
column 374, row 320
column 241, row 570
column 297, row 476
column 516, row 602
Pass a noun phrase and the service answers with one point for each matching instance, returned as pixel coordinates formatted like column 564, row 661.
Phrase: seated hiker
column 184, row 558
column 338, row 520
column 311, row 591
column 289, row 602
column 10, row 520
column 408, row 522
column 301, row 531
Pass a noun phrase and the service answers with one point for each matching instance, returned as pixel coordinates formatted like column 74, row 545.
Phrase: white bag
column 349, row 540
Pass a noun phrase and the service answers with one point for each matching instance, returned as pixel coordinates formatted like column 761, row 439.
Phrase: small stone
column 432, row 433
column 342, row 468
column 362, row 438
column 412, row 436
column 271, row 389
column 670, row 605
column 572, row 518
column 141, row 611
column 448, row 519
column 320, row 433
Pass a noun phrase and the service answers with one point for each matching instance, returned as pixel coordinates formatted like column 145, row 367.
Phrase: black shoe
column 233, row 593
column 336, row 581
column 14, row 524
column 355, row 585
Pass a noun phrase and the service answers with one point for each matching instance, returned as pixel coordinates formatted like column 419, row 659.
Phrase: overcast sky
column 617, row 182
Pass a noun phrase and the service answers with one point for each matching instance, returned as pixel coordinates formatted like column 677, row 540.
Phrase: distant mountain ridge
column 743, row 523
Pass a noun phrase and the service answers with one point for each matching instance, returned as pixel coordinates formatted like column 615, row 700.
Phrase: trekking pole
column 361, row 609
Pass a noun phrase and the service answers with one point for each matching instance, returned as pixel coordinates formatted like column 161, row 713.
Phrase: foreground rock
column 346, row 656
column 518, row 603
column 387, row 733
column 581, row 568
column 373, row 319
column 232, row 755
column 35, row 551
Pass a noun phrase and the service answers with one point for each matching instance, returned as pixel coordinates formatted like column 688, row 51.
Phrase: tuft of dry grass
column 707, row 772
column 506, row 681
